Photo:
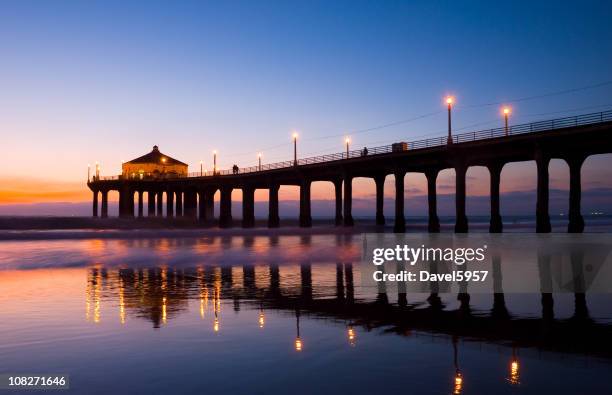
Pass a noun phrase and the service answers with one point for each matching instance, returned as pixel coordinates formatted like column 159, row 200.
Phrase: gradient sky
column 83, row 82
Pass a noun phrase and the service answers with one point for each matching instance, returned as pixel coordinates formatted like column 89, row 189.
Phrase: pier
column 191, row 195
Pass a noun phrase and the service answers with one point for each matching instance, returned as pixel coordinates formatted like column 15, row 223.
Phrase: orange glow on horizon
column 33, row 190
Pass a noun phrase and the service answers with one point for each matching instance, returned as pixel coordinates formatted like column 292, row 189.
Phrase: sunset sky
column 105, row 81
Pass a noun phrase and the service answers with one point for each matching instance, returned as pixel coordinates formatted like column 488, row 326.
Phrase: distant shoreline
column 45, row 228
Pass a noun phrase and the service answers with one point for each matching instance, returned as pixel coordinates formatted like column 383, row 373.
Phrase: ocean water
column 261, row 314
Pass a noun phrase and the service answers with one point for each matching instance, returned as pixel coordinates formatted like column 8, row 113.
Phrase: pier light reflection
column 97, row 296
column 216, row 324
column 203, row 302
column 514, row 377
column 217, row 301
column 203, row 291
column 352, row 337
column 262, row 319
column 121, row 302
column 298, row 344
column 298, row 340
column 458, row 383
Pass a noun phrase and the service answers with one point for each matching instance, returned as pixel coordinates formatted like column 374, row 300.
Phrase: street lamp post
column 347, row 141
column 506, row 112
column 88, row 171
column 214, row 162
column 201, row 168
column 259, row 158
column 449, row 102
column 97, row 170
column 295, row 136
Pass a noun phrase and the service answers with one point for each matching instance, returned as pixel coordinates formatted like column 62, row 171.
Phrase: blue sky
column 86, row 81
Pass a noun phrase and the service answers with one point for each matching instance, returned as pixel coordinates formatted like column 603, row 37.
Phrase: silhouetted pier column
column 169, row 204
column 306, row 281
column 400, row 221
column 348, row 200
column 495, row 224
column 339, row 281
column 202, row 206
column 542, row 216
column 381, row 290
column 126, row 202
column 191, row 204
column 160, row 204
column 95, row 203
column 179, row 203
column 140, row 204
column 123, row 202
column 379, row 180
column 209, row 196
column 275, row 280
column 402, row 299
column 461, row 221
column 305, row 217
column 576, row 222
column 546, row 286
column 225, row 215
column 581, row 310
column 150, row 203
column 104, row 204
column 499, row 301
column 130, row 203
column 434, row 300
column 338, row 192
column 432, row 200
column 248, row 207
column 273, row 218
column 350, row 285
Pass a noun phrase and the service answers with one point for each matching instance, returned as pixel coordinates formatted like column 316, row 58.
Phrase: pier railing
column 533, row 127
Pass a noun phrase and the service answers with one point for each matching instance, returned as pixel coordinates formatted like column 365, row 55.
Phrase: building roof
column 157, row 157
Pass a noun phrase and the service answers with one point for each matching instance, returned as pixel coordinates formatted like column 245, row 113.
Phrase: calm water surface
column 260, row 314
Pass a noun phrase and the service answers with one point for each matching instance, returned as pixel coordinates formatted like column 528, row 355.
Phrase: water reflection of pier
column 160, row 294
